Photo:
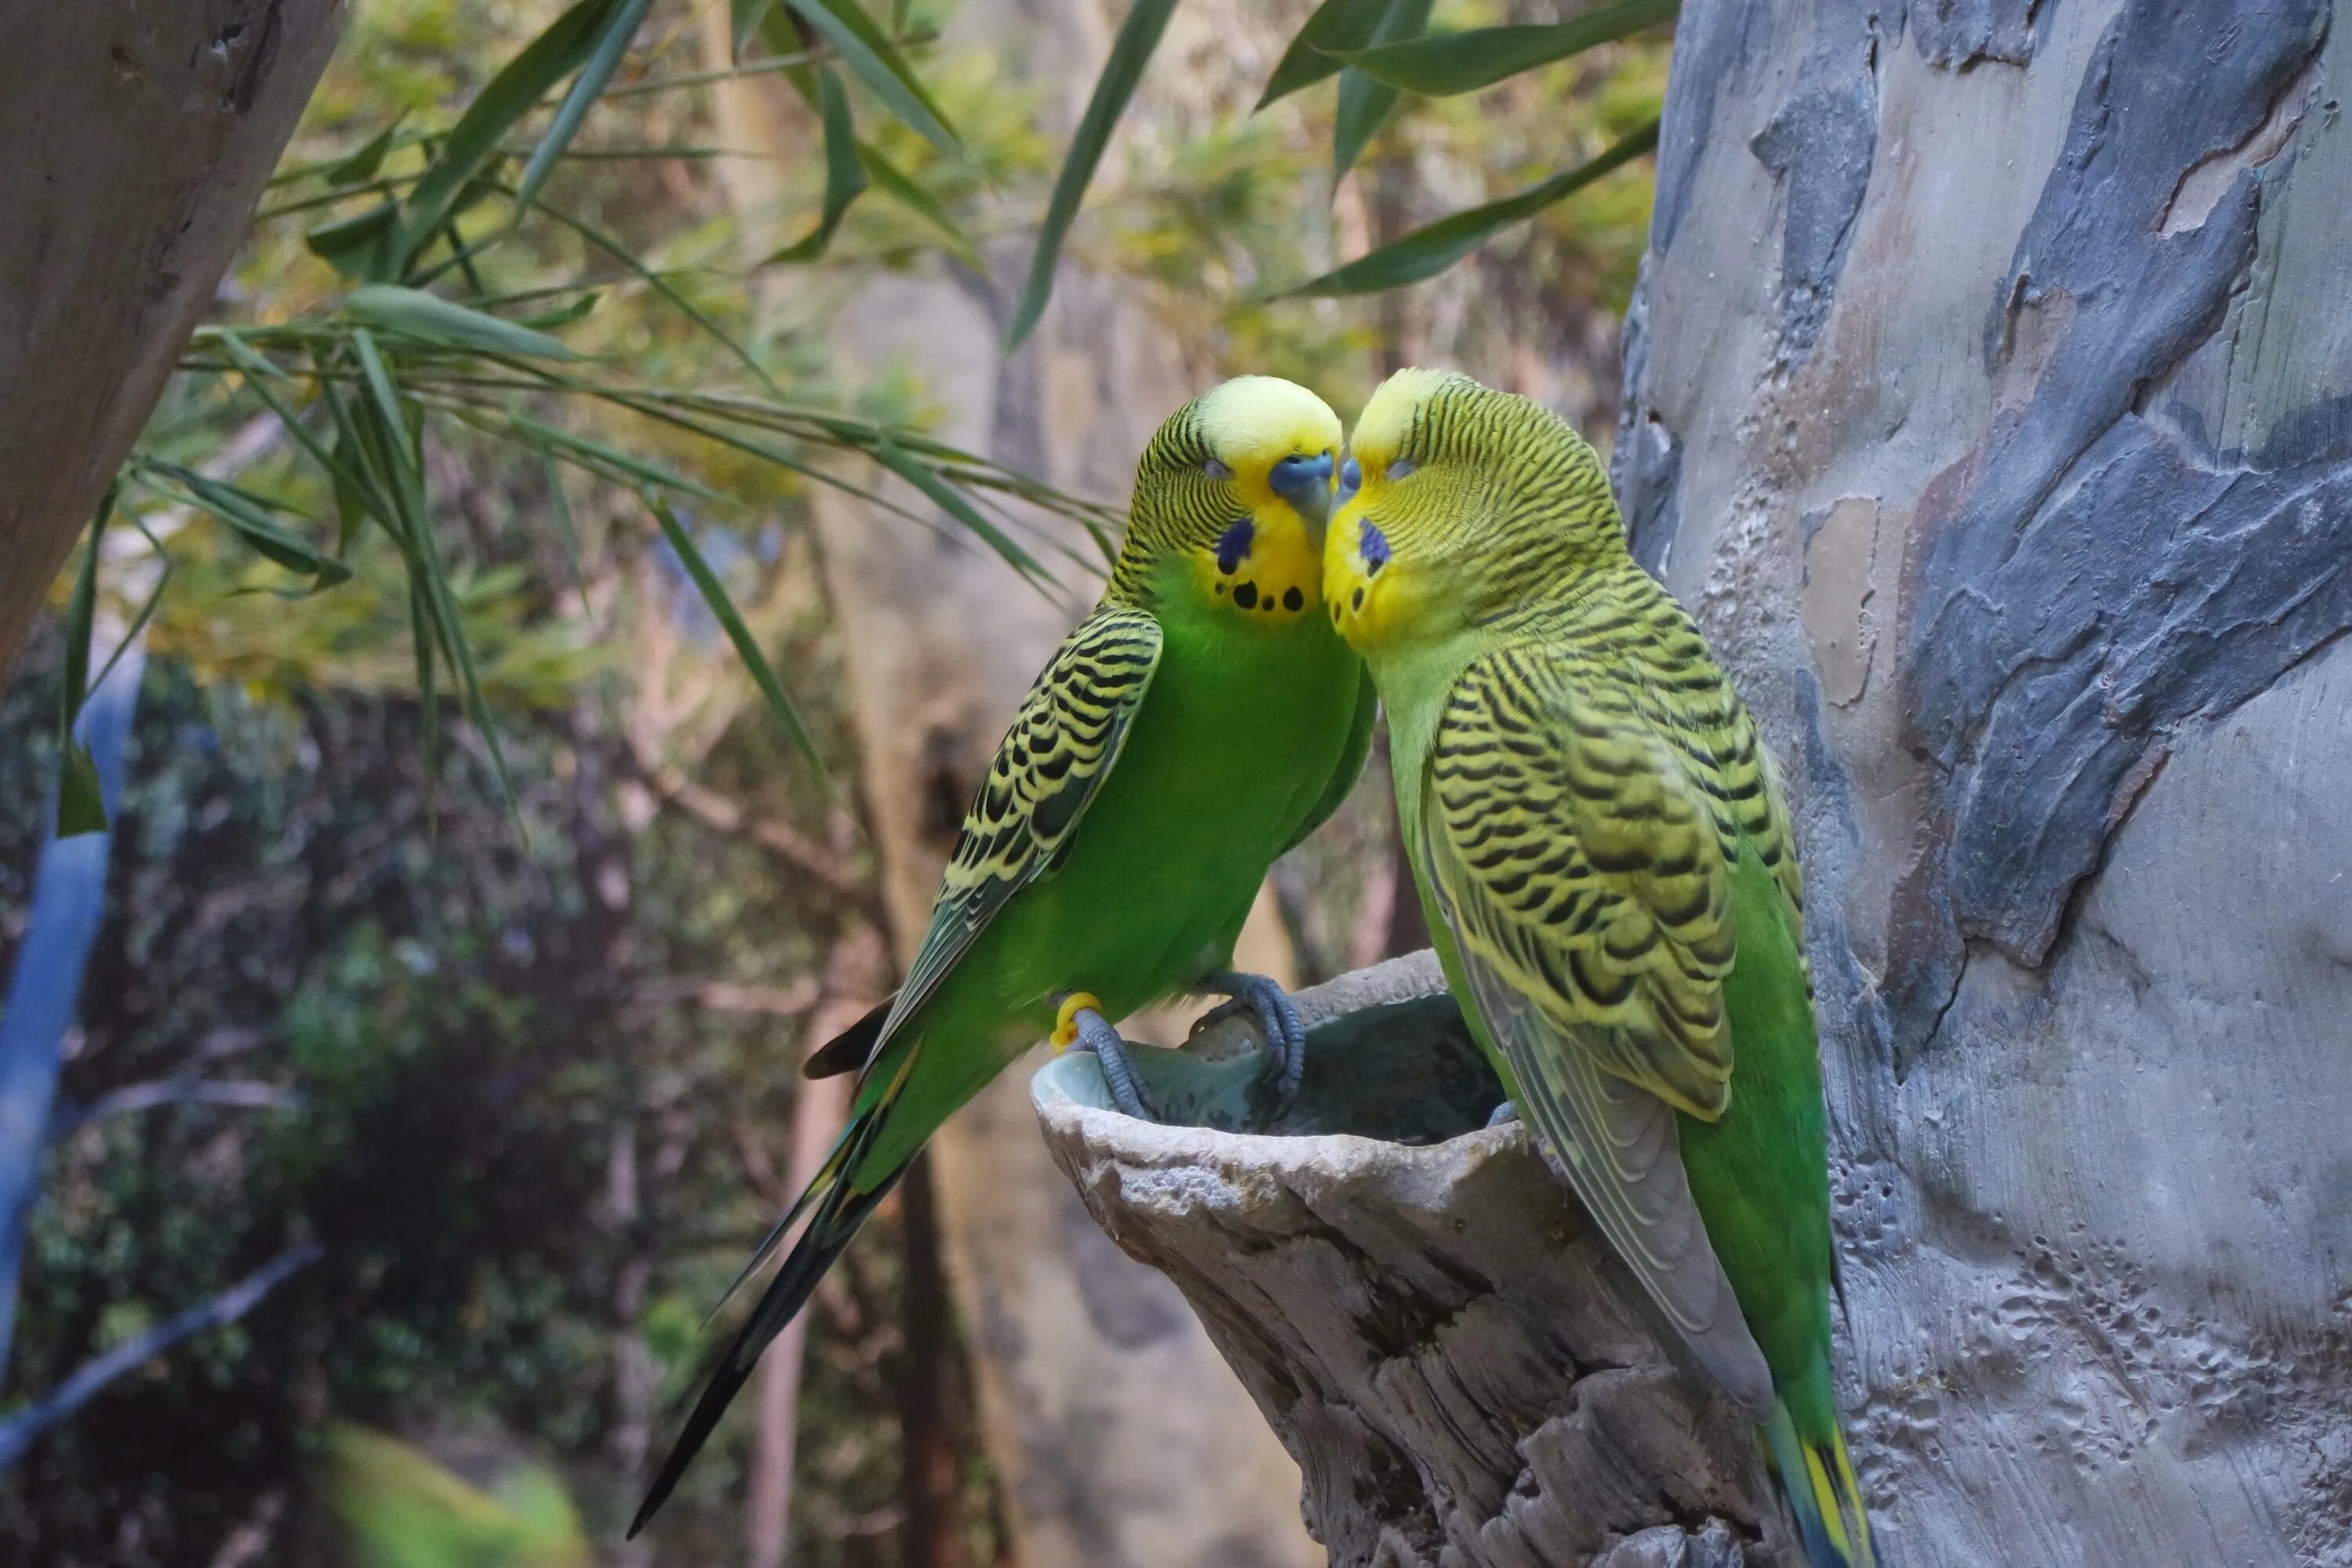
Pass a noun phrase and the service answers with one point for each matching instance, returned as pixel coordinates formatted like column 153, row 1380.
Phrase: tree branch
column 245, row 1094
column 796, row 849
column 18, row 1431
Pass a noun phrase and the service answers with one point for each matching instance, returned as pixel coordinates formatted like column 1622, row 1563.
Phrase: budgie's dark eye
column 1401, row 468
column 1216, row 471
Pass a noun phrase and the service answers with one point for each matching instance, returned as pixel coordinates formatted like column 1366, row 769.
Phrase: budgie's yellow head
column 1459, row 502
column 1231, row 502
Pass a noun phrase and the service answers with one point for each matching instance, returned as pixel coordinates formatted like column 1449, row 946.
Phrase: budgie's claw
column 1277, row 1016
column 1506, row 1113
column 1080, row 1023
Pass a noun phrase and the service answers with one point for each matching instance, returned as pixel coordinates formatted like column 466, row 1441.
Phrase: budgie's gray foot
column 1277, row 1016
column 1506, row 1113
column 1081, row 1025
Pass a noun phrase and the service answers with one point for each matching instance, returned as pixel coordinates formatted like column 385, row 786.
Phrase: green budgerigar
column 1199, row 721
column 1602, row 843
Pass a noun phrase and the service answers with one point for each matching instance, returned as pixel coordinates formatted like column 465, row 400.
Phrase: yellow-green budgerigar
column 1602, row 843
column 1199, row 721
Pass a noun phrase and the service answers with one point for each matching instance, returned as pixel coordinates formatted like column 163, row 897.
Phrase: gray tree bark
column 1990, row 399
column 138, row 137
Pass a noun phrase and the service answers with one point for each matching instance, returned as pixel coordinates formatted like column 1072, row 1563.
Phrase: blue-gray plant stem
column 68, row 898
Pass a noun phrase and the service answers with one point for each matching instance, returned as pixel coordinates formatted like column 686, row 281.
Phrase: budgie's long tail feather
column 851, row 1049
column 840, row 1209
column 1818, row 1481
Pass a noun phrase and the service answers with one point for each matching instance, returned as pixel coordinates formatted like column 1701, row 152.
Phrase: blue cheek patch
column 1373, row 545
column 1234, row 544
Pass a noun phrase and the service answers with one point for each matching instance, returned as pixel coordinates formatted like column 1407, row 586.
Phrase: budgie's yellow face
column 1233, row 495
column 1457, row 501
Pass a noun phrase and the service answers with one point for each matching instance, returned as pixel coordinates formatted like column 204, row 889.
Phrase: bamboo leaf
column 1336, row 25
column 360, row 166
column 392, row 440
column 353, row 246
column 566, row 46
column 901, row 188
column 744, row 18
column 875, row 60
column 444, row 323
column 564, row 316
column 1365, row 105
column 845, row 173
column 561, row 504
column 606, row 459
column 248, row 516
column 1138, row 35
column 81, row 802
column 1428, row 251
column 943, row 495
column 747, row 646
column 1444, row 64
column 586, row 87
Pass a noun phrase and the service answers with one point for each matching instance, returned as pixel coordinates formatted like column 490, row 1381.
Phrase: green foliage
column 1425, row 252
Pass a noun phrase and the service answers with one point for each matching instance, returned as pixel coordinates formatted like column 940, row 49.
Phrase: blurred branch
column 853, row 976
column 787, row 844
column 18, row 1431
column 241, row 1093
column 730, row 997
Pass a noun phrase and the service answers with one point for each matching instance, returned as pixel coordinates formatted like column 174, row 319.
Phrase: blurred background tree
column 471, row 901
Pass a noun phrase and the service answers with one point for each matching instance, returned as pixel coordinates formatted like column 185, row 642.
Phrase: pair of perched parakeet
column 1596, row 832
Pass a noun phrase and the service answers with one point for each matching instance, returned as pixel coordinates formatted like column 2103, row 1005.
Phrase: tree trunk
column 138, row 137
column 1990, row 399
column 1115, row 1433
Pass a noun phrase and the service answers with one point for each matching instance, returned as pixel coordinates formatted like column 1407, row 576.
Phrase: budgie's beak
column 1306, row 483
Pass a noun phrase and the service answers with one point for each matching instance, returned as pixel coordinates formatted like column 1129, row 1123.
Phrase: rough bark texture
column 138, row 136
column 1460, row 1365
column 1990, row 398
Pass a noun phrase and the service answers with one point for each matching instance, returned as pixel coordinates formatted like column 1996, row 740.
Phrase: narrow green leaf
column 586, row 87
column 607, row 460
column 943, row 495
column 1138, row 35
column 473, row 142
column 428, row 695
column 714, row 594
column 744, row 18
column 1444, row 64
column 82, row 805
column 564, row 316
column 444, row 323
column 247, row 514
column 1365, row 105
column 1336, row 24
column 661, row 286
column 875, row 60
column 393, row 439
column 900, row 188
column 561, row 504
column 845, row 174
column 360, row 166
column 355, row 246
column 1428, row 251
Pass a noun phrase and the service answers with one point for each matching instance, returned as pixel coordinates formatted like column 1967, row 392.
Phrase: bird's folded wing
column 1063, row 743
column 1585, row 887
